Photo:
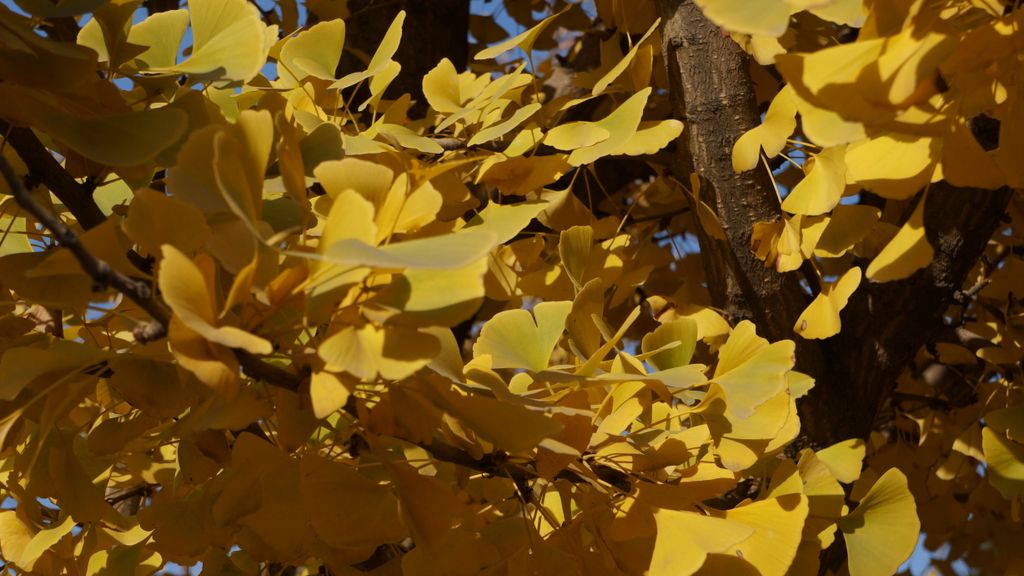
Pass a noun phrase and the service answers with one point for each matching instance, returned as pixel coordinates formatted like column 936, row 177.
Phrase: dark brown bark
column 44, row 169
column 712, row 93
column 885, row 323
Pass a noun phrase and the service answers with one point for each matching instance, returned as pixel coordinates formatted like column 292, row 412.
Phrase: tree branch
column 102, row 274
column 886, row 323
column 711, row 91
column 44, row 168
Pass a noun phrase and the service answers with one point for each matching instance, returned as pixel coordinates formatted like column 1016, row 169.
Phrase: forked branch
column 102, row 273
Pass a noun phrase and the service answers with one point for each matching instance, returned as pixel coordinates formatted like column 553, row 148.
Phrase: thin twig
column 100, row 271
column 258, row 369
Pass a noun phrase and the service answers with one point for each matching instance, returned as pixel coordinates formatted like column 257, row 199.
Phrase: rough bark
column 712, row 93
column 884, row 324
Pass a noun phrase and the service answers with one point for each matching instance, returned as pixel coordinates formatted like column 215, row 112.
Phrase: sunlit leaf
column 750, row 370
column 821, row 318
column 381, row 58
column 686, row 538
column 521, row 339
column 882, row 531
column 366, row 351
column 523, row 41
column 843, row 459
column 314, row 52
column 821, row 189
column 905, row 254
column 734, row 15
column 187, row 293
column 779, row 123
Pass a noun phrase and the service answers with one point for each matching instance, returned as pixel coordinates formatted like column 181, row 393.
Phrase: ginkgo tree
column 559, row 287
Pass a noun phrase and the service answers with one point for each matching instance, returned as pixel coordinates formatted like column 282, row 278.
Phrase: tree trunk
column 884, row 324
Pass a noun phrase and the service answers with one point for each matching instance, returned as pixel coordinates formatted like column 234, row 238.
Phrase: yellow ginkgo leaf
column 42, row 541
column 1005, row 460
column 844, row 459
column 827, row 78
column 740, row 441
column 441, row 87
column 351, row 216
column 429, row 505
column 770, row 19
column 511, row 427
column 905, row 72
column 906, row 253
column 965, row 163
column 621, row 124
column 380, row 82
column 820, row 190
column 523, row 175
column 447, row 251
column 821, row 318
column 779, row 123
column 155, row 219
column 505, row 220
column 573, row 135
column 431, row 297
column 522, row 41
column 327, row 393
column 504, row 127
column 314, row 52
column 574, row 247
column 847, row 226
column 125, row 139
column 212, row 364
column 15, row 535
column 186, row 291
column 893, row 165
column 345, row 508
column 750, row 370
column 381, row 58
column 521, row 339
column 882, row 531
column 393, row 352
column 19, row 366
column 825, row 500
column 160, row 33
column 370, row 179
column 229, row 41
column 406, row 210
column 682, row 332
column 778, row 526
column 686, row 538
column 847, row 12
column 651, row 137
column 406, row 138
column 621, row 66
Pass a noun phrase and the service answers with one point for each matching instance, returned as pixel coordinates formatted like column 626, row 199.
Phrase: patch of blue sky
column 922, row 560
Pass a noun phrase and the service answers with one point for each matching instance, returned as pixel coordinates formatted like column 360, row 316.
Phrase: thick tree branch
column 885, row 324
column 102, row 274
column 711, row 91
column 44, row 168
